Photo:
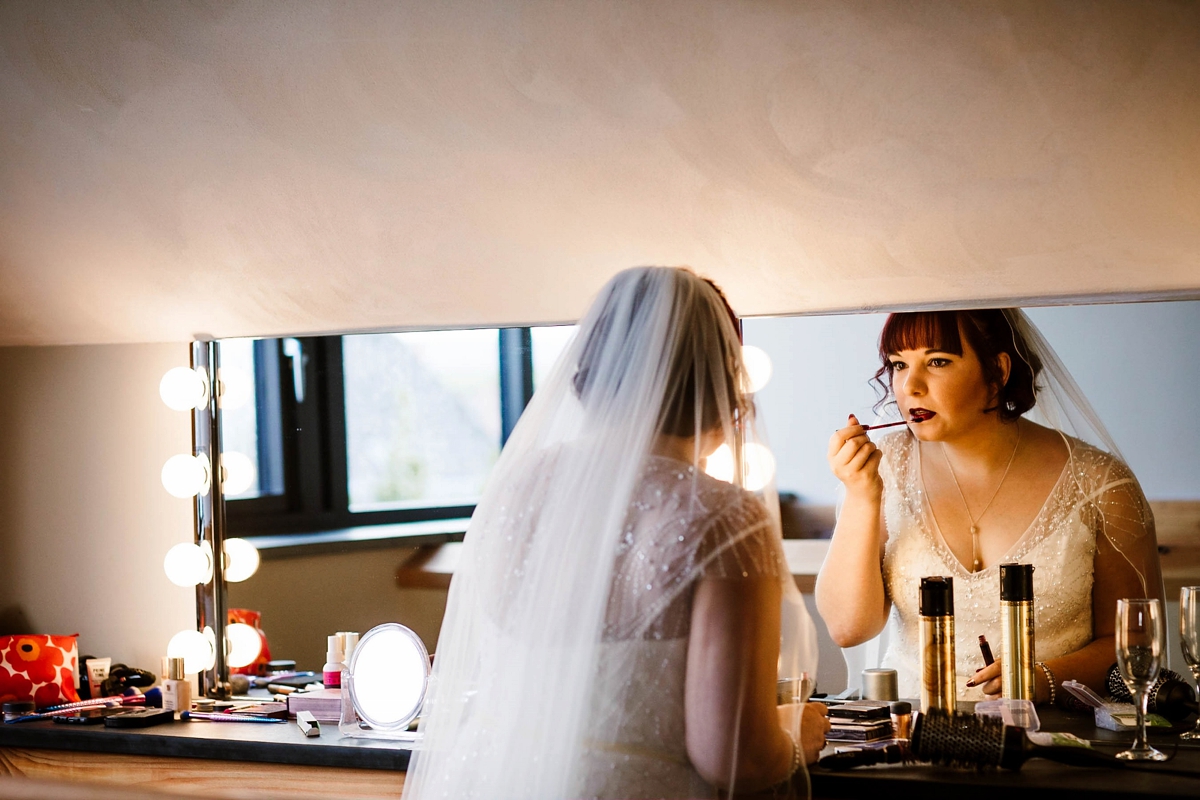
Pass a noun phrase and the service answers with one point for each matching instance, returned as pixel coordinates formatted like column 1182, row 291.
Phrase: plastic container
column 1017, row 713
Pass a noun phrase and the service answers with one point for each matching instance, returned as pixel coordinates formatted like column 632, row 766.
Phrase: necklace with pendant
column 976, row 562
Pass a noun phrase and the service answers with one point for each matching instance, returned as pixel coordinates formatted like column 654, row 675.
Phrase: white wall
column 1138, row 364
column 85, row 521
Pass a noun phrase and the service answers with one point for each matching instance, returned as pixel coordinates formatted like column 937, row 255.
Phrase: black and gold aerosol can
column 939, row 686
column 1016, row 631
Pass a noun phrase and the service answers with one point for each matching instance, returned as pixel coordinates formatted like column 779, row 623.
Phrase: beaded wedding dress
column 562, row 662
column 635, row 741
column 1096, row 494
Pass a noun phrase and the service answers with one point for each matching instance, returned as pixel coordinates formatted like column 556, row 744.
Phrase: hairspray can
column 1016, row 630
column 939, row 687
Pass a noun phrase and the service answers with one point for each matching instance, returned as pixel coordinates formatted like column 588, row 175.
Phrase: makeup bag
column 44, row 669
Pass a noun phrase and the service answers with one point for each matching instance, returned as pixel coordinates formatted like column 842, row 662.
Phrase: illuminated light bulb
column 239, row 473
column 183, row 388
column 195, row 648
column 758, row 368
column 235, row 388
column 188, row 564
column 241, row 560
column 758, row 465
column 243, row 644
column 186, row 476
column 720, row 464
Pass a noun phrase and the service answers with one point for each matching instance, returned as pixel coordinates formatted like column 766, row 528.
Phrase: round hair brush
column 965, row 740
column 1170, row 696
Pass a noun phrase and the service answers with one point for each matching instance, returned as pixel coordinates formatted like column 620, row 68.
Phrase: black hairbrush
column 1169, row 696
column 965, row 740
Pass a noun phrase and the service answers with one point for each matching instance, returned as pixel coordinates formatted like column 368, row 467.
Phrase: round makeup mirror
column 389, row 672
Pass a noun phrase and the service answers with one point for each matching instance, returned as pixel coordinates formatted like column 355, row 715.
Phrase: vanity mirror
column 1137, row 363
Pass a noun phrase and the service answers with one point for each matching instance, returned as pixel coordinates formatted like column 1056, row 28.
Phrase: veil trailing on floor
column 564, row 618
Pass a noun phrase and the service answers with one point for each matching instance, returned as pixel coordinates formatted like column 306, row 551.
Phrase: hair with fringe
column 987, row 331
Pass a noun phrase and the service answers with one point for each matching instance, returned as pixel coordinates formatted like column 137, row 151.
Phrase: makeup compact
column 864, row 721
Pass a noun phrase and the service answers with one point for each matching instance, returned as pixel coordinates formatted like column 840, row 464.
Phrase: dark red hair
column 989, row 334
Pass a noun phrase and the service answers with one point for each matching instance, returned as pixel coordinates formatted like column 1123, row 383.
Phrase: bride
column 620, row 618
column 972, row 482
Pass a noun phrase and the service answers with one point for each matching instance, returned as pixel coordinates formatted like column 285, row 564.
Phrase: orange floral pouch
column 44, row 669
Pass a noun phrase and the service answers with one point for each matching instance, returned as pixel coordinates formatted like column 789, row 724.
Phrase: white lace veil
column 583, row 552
column 1114, row 503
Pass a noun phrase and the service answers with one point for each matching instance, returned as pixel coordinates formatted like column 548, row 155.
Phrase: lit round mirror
column 388, row 675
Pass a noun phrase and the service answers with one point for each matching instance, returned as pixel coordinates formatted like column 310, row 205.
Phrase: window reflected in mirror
column 422, row 417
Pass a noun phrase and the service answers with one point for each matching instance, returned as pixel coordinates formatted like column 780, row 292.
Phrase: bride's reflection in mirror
column 1135, row 363
column 972, row 481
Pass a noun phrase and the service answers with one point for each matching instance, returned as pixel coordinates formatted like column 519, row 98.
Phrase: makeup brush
column 887, row 425
column 916, row 418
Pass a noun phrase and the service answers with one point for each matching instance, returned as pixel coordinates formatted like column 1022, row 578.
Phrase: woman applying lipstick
column 973, row 481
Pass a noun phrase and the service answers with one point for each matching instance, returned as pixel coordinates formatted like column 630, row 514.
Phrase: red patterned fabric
column 43, row 669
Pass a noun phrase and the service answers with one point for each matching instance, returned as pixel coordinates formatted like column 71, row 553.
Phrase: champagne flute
column 1140, row 638
column 1189, row 639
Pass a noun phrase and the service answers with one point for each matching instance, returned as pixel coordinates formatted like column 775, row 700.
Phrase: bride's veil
column 532, row 604
column 1113, row 500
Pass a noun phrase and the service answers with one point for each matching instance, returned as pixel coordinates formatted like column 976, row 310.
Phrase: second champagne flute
column 1189, row 640
column 1140, row 637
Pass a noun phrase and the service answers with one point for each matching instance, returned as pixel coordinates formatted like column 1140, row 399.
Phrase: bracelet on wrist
column 1049, row 681
column 797, row 755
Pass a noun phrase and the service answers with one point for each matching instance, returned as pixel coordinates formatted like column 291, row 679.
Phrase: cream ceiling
column 170, row 168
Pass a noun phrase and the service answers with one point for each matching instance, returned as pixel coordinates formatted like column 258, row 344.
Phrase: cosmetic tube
column 1016, row 630
column 939, row 687
column 97, row 673
column 331, row 673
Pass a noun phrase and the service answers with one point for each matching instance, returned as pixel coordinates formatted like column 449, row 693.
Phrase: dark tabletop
column 1038, row 778
column 268, row 743
column 284, row 744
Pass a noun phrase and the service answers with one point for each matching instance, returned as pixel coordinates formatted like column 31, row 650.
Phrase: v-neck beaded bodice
column 1060, row 543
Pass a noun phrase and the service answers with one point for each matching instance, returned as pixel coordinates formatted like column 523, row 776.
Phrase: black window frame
column 315, row 495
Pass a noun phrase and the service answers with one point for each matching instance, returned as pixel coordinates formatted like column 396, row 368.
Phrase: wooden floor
column 181, row 776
